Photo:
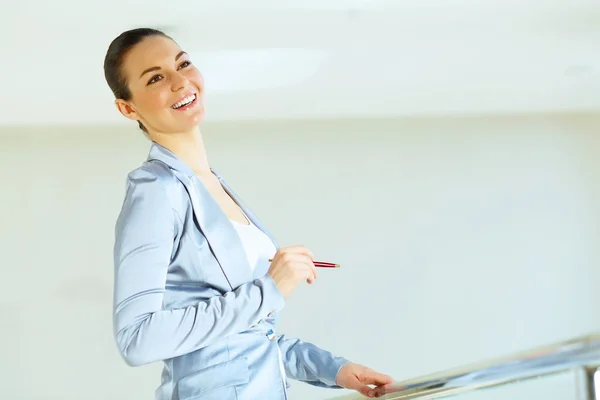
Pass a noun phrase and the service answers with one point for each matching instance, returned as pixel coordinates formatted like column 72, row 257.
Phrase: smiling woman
column 199, row 280
column 150, row 77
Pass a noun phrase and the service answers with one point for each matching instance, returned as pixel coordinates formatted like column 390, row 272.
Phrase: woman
column 193, row 283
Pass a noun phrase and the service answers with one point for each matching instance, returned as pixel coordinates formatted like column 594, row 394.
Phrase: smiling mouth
column 184, row 102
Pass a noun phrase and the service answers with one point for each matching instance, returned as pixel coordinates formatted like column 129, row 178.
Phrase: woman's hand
column 291, row 265
column 358, row 377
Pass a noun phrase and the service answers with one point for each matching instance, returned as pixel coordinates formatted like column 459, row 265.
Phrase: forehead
column 153, row 51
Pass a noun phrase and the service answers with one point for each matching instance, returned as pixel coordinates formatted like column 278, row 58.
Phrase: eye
column 154, row 79
column 185, row 64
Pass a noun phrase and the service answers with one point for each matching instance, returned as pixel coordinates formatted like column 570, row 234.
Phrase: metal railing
column 580, row 354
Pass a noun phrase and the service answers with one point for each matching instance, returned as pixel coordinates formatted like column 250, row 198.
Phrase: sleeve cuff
column 331, row 377
column 271, row 292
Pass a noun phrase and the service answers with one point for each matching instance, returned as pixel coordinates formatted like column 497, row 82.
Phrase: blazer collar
column 161, row 153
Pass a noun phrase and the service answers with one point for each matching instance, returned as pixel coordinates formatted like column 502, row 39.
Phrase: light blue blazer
column 184, row 293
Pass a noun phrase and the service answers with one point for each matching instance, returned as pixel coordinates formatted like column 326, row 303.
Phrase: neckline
column 249, row 224
column 245, row 216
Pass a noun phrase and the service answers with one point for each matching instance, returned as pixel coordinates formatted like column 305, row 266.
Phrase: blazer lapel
column 220, row 234
column 255, row 220
column 214, row 224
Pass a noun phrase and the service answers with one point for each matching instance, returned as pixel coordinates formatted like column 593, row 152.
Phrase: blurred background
column 445, row 153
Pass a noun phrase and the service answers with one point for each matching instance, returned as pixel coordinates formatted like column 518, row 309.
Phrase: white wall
column 459, row 239
column 268, row 59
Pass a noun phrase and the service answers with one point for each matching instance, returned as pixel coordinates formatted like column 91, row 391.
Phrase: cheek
column 197, row 78
column 156, row 100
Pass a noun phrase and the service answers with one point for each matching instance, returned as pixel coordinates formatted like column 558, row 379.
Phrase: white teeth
column 184, row 102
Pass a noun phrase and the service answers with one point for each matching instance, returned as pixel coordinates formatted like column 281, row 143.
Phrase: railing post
column 588, row 383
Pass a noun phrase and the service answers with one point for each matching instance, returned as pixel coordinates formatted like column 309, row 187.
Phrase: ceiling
column 313, row 58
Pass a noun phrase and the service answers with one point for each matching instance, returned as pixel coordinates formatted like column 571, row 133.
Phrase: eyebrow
column 177, row 57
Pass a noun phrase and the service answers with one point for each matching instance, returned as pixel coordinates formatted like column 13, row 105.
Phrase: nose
column 178, row 82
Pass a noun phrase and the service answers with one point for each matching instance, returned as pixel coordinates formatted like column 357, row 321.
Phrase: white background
column 445, row 153
column 459, row 239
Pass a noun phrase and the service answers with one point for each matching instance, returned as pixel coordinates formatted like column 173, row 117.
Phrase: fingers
column 362, row 379
column 371, row 377
column 299, row 260
column 361, row 388
column 310, row 270
column 302, row 258
column 297, row 249
column 302, row 264
column 313, row 270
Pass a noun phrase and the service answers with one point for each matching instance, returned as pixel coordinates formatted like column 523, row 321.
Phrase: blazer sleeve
column 144, row 331
column 306, row 362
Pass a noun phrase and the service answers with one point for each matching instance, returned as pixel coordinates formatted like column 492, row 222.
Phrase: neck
column 189, row 147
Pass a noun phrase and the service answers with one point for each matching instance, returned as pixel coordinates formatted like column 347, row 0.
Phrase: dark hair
column 115, row 55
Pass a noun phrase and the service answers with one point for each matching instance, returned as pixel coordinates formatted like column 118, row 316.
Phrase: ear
column 127, row 110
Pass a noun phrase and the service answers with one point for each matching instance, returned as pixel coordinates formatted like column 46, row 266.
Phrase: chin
column 190, row 122
column 196, row 121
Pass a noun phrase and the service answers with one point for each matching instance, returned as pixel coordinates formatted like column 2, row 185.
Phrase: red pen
column 320, row 264
column 325, row 264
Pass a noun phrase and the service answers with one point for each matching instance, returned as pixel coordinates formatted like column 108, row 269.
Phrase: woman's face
column 167, row 89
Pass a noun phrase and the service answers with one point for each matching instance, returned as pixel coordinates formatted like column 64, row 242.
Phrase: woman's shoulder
column 152, row 171
column 156, row 180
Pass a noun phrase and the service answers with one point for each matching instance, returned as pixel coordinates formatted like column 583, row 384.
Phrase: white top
column 259, row 249
column 258, row 246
